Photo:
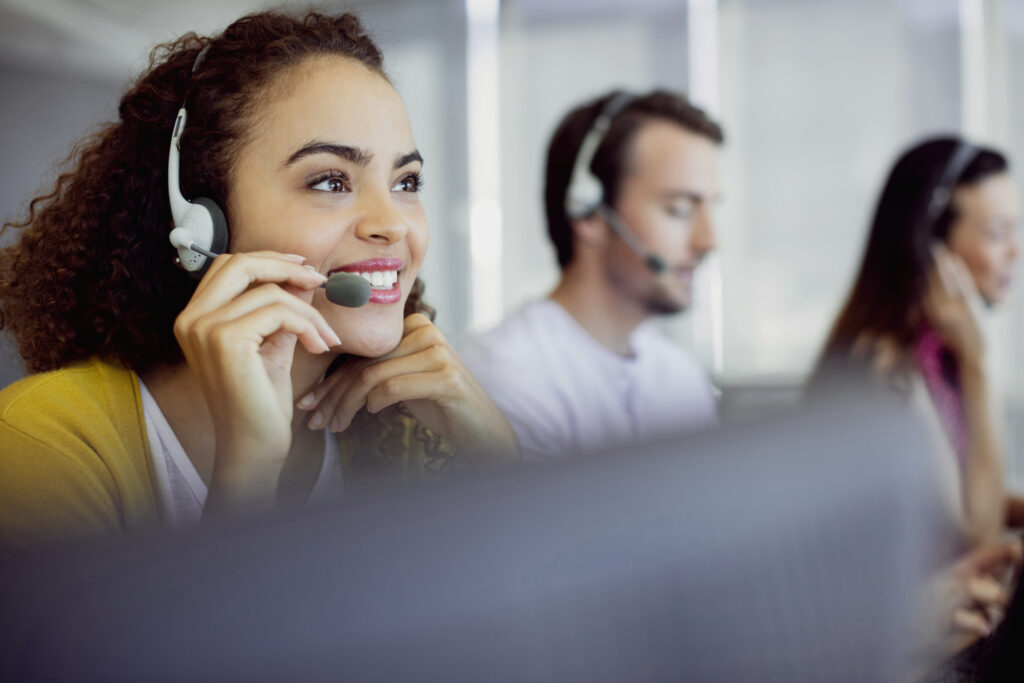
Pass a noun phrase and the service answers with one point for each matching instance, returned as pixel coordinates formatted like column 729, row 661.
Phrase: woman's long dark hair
column 885, row 302
column 93, row 273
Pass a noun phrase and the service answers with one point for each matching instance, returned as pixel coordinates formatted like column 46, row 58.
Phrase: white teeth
column 382, row 279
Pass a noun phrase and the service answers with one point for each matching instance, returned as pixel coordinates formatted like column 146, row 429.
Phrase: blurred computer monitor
column 785, row 550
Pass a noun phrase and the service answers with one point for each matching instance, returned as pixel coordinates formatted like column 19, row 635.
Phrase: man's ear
column 591, row 231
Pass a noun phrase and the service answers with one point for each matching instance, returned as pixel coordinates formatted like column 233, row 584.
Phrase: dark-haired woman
column 157, row 399
column 942, row 246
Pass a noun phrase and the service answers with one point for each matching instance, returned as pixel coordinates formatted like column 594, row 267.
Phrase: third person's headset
column 585, row 195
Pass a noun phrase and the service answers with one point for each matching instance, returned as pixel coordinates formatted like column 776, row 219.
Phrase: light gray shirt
column 565, row 393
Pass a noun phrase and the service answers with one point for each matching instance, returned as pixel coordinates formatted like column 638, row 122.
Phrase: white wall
column 818, row 97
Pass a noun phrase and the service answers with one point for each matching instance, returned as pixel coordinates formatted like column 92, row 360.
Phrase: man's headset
column 200, row 231
column 585, row 195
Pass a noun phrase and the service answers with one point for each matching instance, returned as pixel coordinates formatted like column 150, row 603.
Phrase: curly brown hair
column 93, row 273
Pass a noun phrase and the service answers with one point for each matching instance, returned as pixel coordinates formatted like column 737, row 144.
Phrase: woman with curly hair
column 158, row 398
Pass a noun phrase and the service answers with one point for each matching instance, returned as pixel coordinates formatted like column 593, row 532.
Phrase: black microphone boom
column 344, row 289
column 655, row 263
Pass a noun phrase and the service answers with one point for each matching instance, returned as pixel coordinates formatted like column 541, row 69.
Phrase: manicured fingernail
column 320, row 276
column 317, row 421
column 295, row 257
column 306, row 401
column 335, row 339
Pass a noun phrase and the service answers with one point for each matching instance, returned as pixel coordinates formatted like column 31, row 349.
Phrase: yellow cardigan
column 74, row 457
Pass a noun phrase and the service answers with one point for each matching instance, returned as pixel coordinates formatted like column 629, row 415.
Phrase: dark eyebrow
column 412, row 156
column 689, row 195
column 353, row 154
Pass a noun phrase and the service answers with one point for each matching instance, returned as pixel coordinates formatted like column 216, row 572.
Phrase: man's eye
column 410, row 183
column 680, row 211
column 329, row 182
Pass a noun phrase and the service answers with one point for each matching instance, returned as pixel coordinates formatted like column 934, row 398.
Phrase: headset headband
column 585, row 192
column 962, row 156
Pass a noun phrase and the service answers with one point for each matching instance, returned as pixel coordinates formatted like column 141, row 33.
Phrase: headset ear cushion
column 219, row 245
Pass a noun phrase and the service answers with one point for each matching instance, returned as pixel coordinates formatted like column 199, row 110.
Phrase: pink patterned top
column 941, row 376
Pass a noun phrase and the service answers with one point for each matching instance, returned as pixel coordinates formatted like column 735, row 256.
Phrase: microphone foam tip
column 348, row 289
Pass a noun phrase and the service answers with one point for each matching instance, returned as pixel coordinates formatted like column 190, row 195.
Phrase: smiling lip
column 370, row 265
column 386, row 296
column 380, row 272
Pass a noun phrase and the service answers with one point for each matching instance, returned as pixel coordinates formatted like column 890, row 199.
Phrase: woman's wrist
column 973, row 376
column 243, row 479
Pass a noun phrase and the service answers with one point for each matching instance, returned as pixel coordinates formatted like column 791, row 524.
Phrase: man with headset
column 628, row 193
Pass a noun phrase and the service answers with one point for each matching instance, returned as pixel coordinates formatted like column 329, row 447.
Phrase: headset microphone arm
column 654, row 262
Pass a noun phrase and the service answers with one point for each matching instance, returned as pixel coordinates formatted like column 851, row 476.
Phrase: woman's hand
column 969, row 597
column 425, row 374
column 238, row 334
column 952, row 305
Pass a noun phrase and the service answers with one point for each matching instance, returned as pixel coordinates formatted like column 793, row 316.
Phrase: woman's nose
column 380, row 220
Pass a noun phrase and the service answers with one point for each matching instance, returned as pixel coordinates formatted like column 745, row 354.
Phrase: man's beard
column 660, row 303
column 656, row 298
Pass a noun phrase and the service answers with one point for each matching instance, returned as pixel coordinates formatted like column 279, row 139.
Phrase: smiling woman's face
column 330, row 171
column 985, row 234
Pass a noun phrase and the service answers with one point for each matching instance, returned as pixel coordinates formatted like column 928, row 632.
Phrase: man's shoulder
column 524, row 337
column 532, row 357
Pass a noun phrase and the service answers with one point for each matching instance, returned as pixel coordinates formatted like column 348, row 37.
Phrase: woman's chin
column 374, row 344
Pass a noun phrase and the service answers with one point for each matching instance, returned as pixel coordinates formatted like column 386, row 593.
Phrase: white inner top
column 181, row 493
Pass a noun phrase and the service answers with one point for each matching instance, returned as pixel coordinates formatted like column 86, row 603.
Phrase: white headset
column 200, row 229
column 585, row 195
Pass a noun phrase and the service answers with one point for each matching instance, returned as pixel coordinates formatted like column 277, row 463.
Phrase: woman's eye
column 997, row 230
column 410, row 183
column 331, row 182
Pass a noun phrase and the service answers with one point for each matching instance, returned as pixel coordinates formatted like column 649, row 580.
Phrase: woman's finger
column 240, row 272
column 223, row 259
column 971, row 621
column 354, row 396
column 314, row 396
column 408, row 387
column 422, row 348
column 267, row 295
column 327, row 399
column 984, row 590
column 247, row 333
column 414, row 322
column 991, row 558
